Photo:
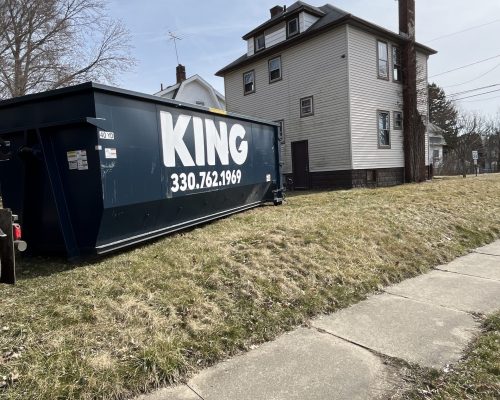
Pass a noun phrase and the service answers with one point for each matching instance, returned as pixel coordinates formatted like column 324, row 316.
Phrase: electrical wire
column 464, row 30
column 475, row 79
column 474, row 90
column 477, row 100
column 479, row 94
column 465, row 66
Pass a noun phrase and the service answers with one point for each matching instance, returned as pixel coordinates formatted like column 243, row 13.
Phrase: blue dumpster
column 90, row 168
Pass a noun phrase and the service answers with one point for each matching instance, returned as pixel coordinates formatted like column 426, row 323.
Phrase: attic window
column 260, row 42
column 292, row 27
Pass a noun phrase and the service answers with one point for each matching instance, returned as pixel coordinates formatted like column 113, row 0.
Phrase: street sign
column 475, row 155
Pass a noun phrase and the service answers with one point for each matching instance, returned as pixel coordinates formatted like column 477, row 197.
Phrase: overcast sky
column 211, row 34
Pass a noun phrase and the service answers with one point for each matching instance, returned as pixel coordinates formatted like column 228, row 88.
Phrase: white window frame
column 256, row 42
column 271, row 80
column 252, row 73
column 381, row 60
column 388, row 129
column 303, row 113
column 291, row 34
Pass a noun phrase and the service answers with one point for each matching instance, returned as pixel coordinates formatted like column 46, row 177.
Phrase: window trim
column 400, row 70
column 288, row 34
column 387, row 77
column 255, row 41
column 245, row 93
column 394, row 119
column 269, row 69
column 303, row 115
column 384, row 146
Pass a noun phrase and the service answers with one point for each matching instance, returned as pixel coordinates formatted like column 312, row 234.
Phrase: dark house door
column 300, row 164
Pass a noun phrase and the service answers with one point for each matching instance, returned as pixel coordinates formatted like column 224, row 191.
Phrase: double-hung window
column 306, row 106
column 292, row 27
column 249, row 82
column 260, row 43
column 397, row 69
column 274, row 69
column 384, row 129
column 382, row 60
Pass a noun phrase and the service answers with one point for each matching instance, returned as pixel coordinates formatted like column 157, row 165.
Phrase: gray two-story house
column 334, row 82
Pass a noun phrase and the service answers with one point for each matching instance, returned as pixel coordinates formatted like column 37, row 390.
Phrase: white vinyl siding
column 250, row 47
column 369, row 95
column 275, row 35
column 307, row 21
column 313, row 68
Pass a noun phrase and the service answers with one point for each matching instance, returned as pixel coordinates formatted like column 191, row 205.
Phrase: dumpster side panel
column 165, row 168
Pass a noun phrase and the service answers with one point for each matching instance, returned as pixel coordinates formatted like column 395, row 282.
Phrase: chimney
column 180, row 73
column 276, row 10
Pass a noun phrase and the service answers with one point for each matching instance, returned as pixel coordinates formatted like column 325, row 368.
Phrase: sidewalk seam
column 461, row 273
column 430, row 304
column 486, row 254
column 194, row 391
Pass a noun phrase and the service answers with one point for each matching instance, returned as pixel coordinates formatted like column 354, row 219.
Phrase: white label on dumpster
column 106, row 135
column 109, row 152
column 268, row 178
column 77, row 159
column 82, row 165
column 72, row 156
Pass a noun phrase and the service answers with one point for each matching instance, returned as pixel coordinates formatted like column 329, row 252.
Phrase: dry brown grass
column 156, row 314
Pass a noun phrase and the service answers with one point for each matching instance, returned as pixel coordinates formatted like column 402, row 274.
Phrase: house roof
column 295, row 8
column 177, row 88
column 330, row 18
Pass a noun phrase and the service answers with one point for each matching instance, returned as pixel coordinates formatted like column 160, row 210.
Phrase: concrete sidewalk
column 352, row 354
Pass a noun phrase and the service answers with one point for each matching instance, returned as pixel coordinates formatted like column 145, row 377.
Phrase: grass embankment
column 155, row 314
column 477, row 376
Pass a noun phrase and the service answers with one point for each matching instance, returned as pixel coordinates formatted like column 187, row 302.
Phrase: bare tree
column 47, row 44
column 468, row 133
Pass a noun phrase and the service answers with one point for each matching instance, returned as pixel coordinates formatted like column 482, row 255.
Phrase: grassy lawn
column 476, row 377
column 153, row 315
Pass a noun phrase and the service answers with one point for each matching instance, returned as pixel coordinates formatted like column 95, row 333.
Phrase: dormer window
column 292, row 27
column 260, row 42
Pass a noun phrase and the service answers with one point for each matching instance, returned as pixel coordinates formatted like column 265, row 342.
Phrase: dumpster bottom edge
column 107, row 248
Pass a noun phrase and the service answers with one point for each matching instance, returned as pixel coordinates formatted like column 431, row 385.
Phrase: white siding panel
column 275, row 35
column 312, row 68
column 368, row 95
column 309, row 20
column 250, row 47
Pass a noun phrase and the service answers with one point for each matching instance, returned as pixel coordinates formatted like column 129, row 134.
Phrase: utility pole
column 414, row 128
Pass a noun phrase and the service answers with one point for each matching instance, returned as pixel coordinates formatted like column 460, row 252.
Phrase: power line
column 463, row 30
column 479, row 94
column 489, row 98
column 475, row 79
column 465, row 66
column 474, row 90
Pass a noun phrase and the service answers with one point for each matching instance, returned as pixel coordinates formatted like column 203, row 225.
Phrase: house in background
column 334, row 82
column 436, row 146
column 194, row 90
